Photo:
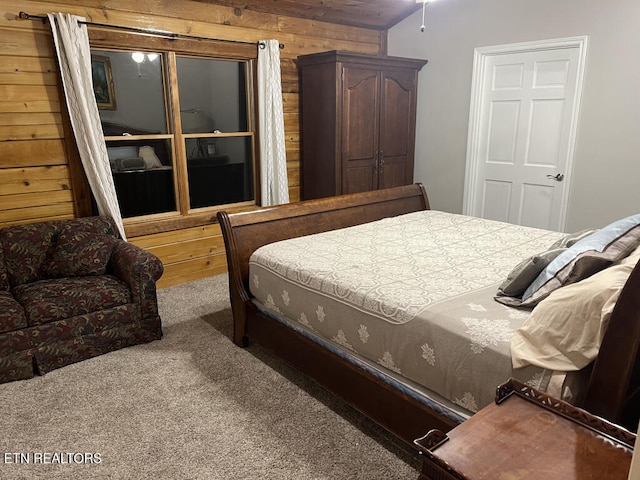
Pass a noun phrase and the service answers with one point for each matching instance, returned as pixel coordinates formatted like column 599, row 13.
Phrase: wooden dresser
column 358, row 122
column 528, row 435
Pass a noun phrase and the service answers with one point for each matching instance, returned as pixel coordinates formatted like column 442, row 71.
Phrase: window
column 179, row 128
column 215, row 126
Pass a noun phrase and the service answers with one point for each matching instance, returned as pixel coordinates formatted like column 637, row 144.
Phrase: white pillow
column 149, row 156
column 565, row 330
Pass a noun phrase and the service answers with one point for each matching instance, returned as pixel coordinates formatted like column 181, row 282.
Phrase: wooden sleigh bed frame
column 614, row 381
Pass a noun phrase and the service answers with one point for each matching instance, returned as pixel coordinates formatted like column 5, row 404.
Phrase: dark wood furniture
column 215, row 181
column 144, row 192
column 358, row 122
column 212, row 181
column 611, row 385
column 528, row 434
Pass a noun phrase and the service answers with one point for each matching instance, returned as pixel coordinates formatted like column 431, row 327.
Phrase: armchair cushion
column 26, row 249
column 79, row 253
column 58, row 299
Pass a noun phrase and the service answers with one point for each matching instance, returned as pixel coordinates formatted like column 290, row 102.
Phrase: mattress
column 411, row 294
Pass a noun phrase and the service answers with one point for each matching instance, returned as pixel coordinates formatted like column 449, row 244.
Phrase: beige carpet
column 190, row 406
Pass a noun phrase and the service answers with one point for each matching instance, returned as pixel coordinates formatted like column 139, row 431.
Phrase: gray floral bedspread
column 412, row 293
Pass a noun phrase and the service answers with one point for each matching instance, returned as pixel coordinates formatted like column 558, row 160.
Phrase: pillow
column 149, row 156
column 586, row 257
column 26, row 250
column 526, row 272
column 79, row 253
column 565, row 330
column 115, row 153
column 569, row 240
column 130, row 164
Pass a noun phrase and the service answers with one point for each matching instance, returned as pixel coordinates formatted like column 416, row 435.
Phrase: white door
column 524, row 116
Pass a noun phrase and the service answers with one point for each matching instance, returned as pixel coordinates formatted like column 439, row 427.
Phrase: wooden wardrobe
column 358, row 122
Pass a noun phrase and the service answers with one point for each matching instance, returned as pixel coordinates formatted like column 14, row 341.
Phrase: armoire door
column 360, row 129
column 397, row 128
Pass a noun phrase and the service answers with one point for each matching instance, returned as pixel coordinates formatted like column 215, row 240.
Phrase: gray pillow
column 586, row 257
column 569, row 240
column 526, row 272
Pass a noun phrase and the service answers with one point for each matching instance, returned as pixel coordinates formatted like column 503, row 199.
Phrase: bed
column 324, row 321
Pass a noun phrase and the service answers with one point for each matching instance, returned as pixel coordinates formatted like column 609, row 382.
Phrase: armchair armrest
column 140, row 270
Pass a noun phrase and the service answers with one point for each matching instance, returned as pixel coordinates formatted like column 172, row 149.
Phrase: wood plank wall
column 37, row 156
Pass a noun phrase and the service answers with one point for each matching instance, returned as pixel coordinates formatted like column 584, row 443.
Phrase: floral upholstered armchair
column 71, row 290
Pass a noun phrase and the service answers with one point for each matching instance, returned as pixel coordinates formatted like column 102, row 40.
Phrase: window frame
column 171, row 47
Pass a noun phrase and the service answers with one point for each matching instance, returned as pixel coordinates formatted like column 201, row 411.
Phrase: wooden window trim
column 100, row 38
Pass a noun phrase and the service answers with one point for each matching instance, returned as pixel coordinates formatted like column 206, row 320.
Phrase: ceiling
column 377, row 14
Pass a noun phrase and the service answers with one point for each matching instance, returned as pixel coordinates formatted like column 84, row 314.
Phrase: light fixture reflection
column 138, row 57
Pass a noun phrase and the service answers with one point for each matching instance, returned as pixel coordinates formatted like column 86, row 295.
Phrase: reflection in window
column 139, row 91
column 225, row 176
column 213, row 95
column 144, row 141
column 136, row 131
column 143, row 176
column 213, row 111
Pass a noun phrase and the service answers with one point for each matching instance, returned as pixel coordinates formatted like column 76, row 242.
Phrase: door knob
column 558, row 177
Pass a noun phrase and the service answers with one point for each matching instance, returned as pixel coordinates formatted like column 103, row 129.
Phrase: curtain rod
column 162, row 33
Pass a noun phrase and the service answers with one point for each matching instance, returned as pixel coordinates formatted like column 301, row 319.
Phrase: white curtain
column 74, row 57
column 274, row 184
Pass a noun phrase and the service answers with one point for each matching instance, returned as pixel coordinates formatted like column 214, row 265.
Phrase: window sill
column 167, row 222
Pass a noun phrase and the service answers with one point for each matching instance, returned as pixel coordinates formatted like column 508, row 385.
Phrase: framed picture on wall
column 103, row 82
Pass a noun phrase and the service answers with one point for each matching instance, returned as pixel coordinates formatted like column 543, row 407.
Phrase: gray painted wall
column 606, row 172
